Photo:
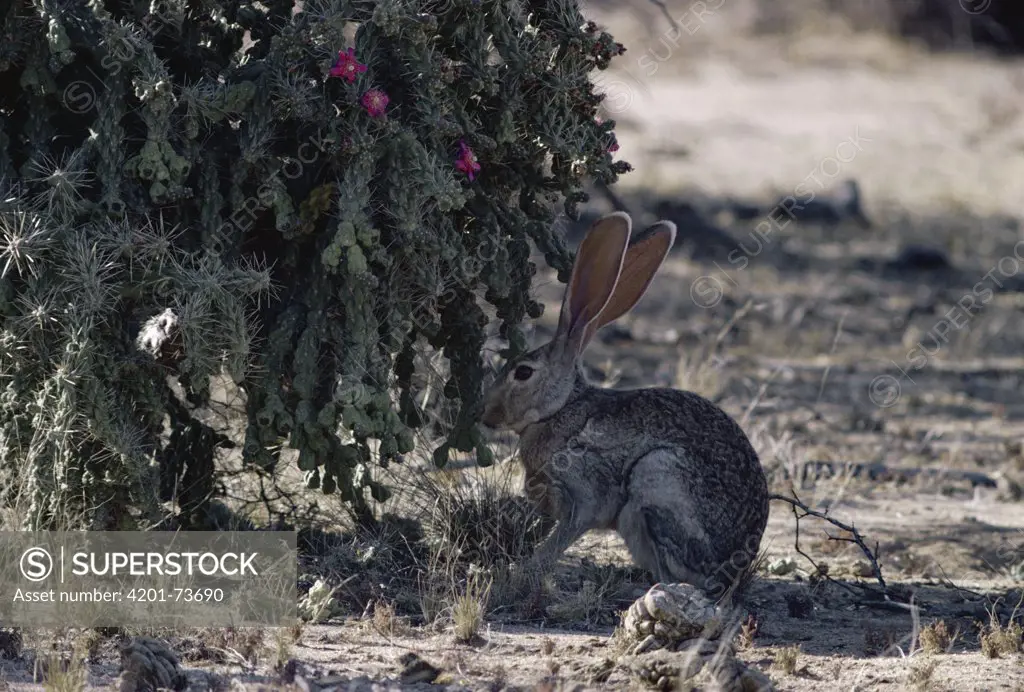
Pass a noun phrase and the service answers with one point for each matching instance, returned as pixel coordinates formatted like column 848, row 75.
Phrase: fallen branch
column 856, row 539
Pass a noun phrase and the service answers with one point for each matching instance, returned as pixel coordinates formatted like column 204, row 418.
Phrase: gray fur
column 671, row 472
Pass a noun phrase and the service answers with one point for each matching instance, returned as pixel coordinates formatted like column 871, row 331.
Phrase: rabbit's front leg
column 565, row 533
column 528, row 576
column 570, row 525
column 548, row 497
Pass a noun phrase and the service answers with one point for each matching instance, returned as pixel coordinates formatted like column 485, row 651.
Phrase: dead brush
column 936, row 638
column 587, row 606
column 227, row 643
column 696, row 372
column 434, row 586
column 786, row 659
column 378, row 562
column 387, row 622
column 63, row 674
column 595, row 595
column 998, row 640
column 478, row 519
column 919, row 675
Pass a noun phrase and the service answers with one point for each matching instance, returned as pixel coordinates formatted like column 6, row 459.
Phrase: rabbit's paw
column 669, row 615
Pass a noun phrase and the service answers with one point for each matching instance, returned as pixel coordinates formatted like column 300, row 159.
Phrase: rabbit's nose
column 492, row 417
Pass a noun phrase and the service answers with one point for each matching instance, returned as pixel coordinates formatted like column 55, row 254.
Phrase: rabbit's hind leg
column 632, row 527
column 659, row 525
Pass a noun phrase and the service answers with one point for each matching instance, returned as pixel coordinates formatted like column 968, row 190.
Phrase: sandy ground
column 824, row 363
column 736, row 117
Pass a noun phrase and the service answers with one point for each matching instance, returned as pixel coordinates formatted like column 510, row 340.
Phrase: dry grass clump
column 231, row 642
column 470, row 606
column 285, row 638
column 473, row 521
column 387, row 622
column 919, row 675
column 786, row 659
column 59, row 673
column 879, row 641
column 476, row 516
column 998, row 640
column 936, row 638
column 697, row 369
column 371, row 563
column 439, row 554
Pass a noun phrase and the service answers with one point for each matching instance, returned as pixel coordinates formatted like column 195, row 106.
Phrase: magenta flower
column 346, row 66
column 467, row 163
column 375, row 102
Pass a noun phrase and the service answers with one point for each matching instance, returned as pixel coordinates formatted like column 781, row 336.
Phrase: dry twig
column 856, row 539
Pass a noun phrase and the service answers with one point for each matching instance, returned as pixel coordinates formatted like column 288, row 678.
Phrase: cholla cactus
column 303, row 198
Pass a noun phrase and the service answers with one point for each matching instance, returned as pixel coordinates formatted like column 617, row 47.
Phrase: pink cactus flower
column 467, row 163
column 346, row 66
column 375, row 102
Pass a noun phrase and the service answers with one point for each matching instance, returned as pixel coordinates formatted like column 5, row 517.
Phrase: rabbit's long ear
column 594, row 275
column 644, row 256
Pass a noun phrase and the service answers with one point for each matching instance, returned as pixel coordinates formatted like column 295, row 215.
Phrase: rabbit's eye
column 523, row 372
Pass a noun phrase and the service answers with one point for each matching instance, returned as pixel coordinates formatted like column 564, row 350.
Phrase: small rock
column 1009, row 490
column 415, row 670
column 782, row 566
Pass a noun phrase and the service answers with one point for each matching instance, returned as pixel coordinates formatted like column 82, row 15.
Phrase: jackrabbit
column 670, row 471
